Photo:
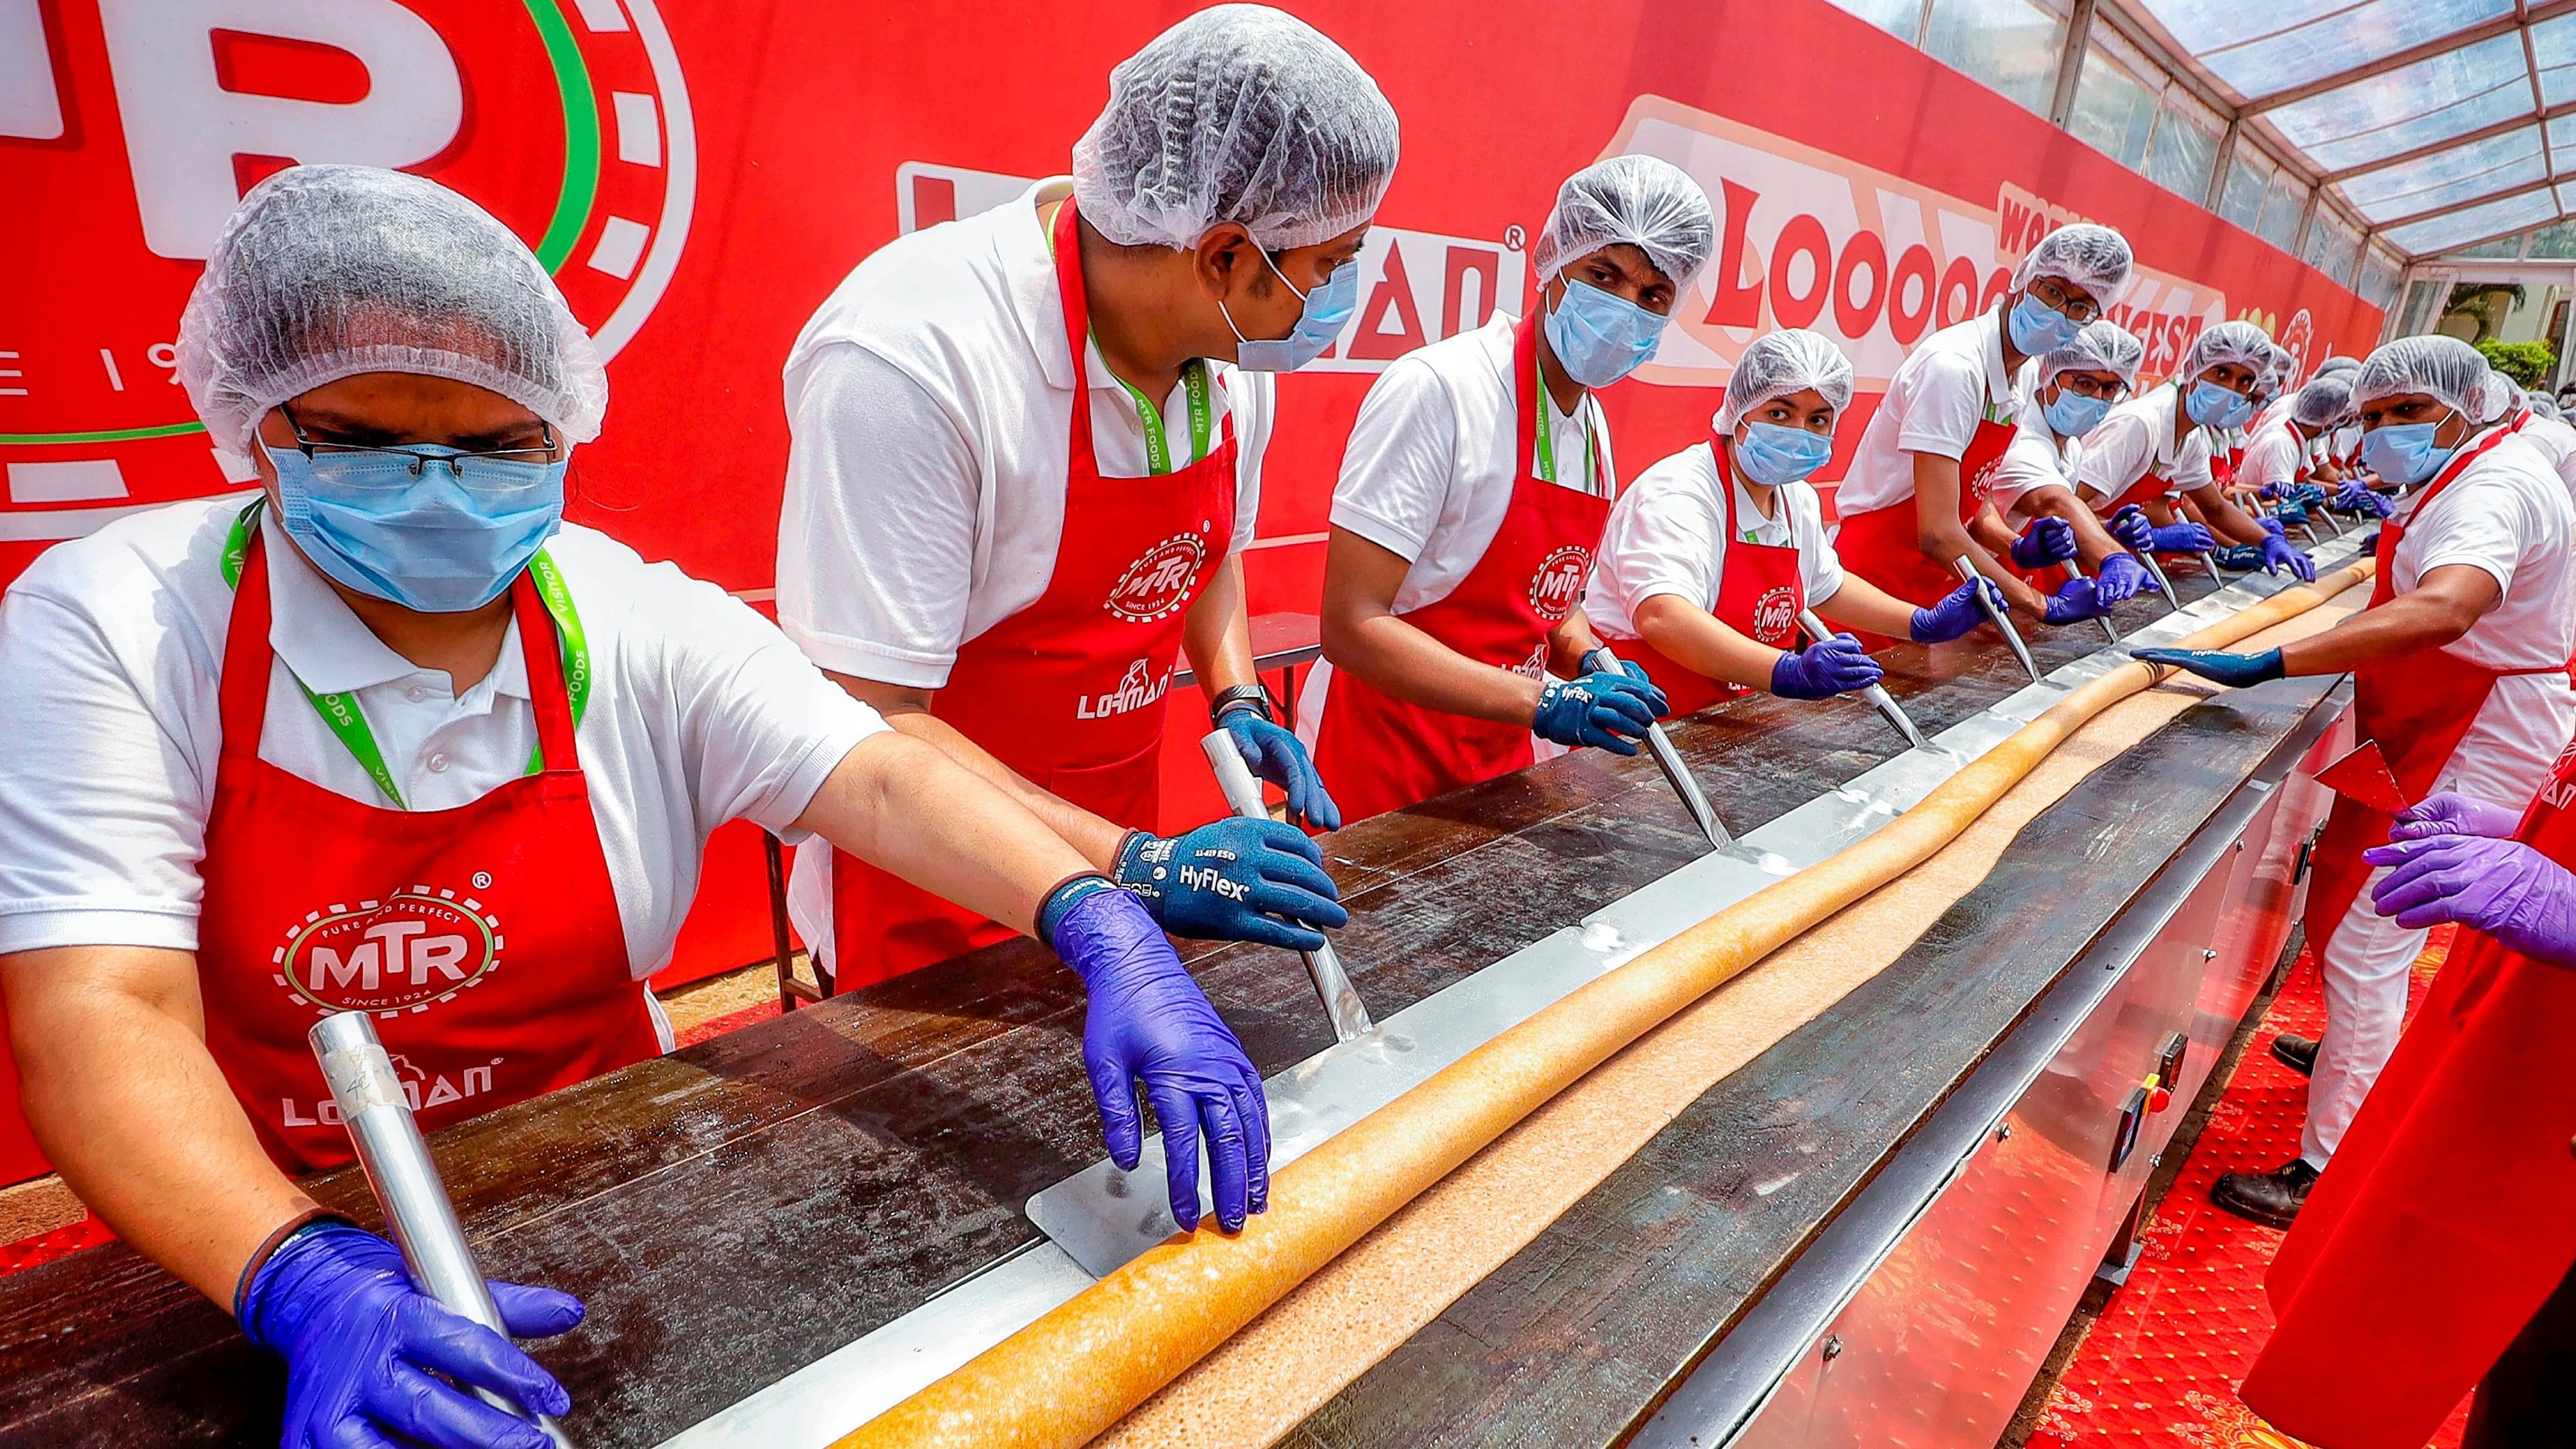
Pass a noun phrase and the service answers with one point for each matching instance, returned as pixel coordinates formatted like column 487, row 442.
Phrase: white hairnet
column 2338, row 364
column 2095, row 258
column 2103, row 346
column 2435, row 365
column 2496, row 397
column 1645, row 201
column 2324, row 403
column 1782, row 364
column 324, row 272
column 2241, row 343
column 2543, row 406
column 1239, row 113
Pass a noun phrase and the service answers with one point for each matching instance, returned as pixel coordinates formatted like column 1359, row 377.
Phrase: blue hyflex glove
column 2451, row 813
column 2234, row 670
column 1956, row 614
column 2357, row 498
column 2243, row 557
column 1825, row 668
column 2308, row 495
column 2120, row 579
column 1234, row 880
column 2182, row 537
column 2278, row 555
column 1148, row 1021
column 2501, row 888
column 2131, row 526
column 2289, row 515
column 372, row 1360
column 2075, row 599
column 1609, row 709
column 1274, row 754
column 2047, row 542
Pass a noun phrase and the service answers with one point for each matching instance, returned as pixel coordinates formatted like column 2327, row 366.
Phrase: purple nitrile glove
column 2357, row 498
column 2268, row 492
column 2075, row 599
column 2131, row 526
column 2047, row 542
column 2503, row 888
column 2278, row 555
column 1956, row 614
column 1608, row 709
column 1149, row 1021
column 2119, row 579
column 2452, row 813
column 2183, row 537
column 1274, row 754
column 1825, row 668
column 2369, row 545
column 369, row 1356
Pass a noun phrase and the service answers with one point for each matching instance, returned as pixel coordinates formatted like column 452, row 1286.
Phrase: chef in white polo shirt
column 2065, row 394
column 1014, row 577
column 2153, row 451
column 389, row 736
column 2459, row 677
column 1712, row 554
column 1472, row 498
column 1917, row 497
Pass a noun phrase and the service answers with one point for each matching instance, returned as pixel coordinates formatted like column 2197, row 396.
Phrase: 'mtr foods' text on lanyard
column 348, row 724
column 1546, row 466
column 1194, row 387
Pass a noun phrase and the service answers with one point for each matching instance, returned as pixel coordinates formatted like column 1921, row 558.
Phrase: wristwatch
column 1241, row 696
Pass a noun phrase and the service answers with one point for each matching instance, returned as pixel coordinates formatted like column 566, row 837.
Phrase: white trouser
column 2366, row 965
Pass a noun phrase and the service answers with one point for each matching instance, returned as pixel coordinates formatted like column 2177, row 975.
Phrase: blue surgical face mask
column 2213, row 406
column 2039, row 328
column 1328, row 310
column 2404, row 453
column 1601, row 337
column 2073, row 414
column 420, row 534
column 1772, row 454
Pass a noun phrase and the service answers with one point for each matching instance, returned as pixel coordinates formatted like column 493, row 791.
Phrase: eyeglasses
column 415, row 460
column 2082, row 311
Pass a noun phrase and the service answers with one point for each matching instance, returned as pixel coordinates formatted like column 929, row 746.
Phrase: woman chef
column 2459, row 676
column 2436, row 1251
column 1928, row 460
column 394, row 738
column 1472, row 497
column 1714, row 552
column 1027, row 458
column 2155, row 448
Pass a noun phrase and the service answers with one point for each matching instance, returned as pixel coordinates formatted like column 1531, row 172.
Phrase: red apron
column 486, row 939
column 1759, row 596
column 1384, row 754
column 1883, row 545
column 2449, row 1214
column 1068, row 691
column 2417, row 707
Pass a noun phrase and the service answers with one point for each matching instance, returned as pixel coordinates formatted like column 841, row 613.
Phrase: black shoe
column 2298, row 1053
column 2270, row 1198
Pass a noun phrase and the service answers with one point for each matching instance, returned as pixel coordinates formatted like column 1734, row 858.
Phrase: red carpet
column 2161, row 1366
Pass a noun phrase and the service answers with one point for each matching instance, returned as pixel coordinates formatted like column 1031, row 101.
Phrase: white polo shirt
column 2556, row 442
column 2509, row 514
column 2277, row 454
column 1951, row 383
column 929, row 405
column 1429, row 470
column 1667, row 535
column 111, row 652
column 2037, row 457
column 2138, row 437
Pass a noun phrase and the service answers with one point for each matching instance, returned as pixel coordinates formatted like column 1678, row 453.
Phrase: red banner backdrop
column 700, row 174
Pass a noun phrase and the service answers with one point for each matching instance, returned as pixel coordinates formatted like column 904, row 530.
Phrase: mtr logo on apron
column 407, row 953
column 1156, row 585
column 1774, row 614
column 566, row 119
column 1558, row 585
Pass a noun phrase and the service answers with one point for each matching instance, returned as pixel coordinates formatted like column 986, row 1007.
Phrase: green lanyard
column 1547, row 438
column 1194, row 385
column 340, row 713
column 1158, row 451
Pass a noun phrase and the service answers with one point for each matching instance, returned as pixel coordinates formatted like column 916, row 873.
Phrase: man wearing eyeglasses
column 1918, row 497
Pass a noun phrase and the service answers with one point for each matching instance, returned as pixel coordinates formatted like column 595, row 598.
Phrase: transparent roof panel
column 2478, row 222
column 2447, row 178
column 2418, row 105
column 2274, row 45
column 2553, row 50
